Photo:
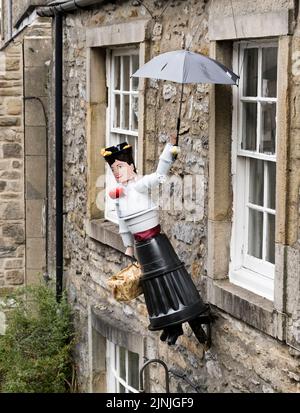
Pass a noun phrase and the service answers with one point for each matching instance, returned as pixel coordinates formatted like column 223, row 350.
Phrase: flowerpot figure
column 170, row 294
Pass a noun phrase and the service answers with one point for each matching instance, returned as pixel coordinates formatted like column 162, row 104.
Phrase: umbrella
column 183, row 66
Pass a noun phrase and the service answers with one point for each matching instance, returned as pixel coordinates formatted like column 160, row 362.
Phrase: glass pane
column 268, row 128
column 255, row 232
column 135, row 66
column 270, row 239
column 122, row 360
column 135, row 112
column 256, row 182
column 122, row 388
column 271, row 184
column 250, row 72
column 133, row 370
column 126, row 72
column 269, row 72
column 125, row 112
column 117, row 73
column 249, row 126
column 116, row 114
column 132, row 140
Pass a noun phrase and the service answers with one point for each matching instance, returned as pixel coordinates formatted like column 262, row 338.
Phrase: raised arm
column 166, row 160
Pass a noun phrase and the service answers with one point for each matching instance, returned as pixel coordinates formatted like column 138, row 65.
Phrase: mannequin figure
column 170, row 294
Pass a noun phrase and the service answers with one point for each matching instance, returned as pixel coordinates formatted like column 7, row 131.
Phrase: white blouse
column 136, row 210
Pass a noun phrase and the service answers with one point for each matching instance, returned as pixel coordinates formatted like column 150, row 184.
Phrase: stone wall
column 20, row 7
column 241, row 359
column 37, row 63
column 23, row 165
column 12, row 238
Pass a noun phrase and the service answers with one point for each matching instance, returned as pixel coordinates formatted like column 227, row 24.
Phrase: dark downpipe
column 59, row 151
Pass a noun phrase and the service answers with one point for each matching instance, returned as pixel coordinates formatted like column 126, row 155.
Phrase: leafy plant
column 36, row 350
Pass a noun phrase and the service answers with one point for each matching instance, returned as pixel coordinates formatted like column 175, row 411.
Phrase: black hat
column 121, row 152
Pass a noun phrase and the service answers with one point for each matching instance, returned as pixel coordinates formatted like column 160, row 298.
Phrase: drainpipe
column 58, row 21
column 56, row 11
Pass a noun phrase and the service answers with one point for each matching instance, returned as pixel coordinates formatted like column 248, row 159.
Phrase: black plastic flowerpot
column 170, row 294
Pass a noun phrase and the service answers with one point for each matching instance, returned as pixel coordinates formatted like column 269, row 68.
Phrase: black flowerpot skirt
column 170, row 294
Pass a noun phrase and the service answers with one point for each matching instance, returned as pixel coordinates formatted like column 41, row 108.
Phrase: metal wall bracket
column 142, row 390
column 206, row 318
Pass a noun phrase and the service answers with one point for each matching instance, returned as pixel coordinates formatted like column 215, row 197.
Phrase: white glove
column 175, row 150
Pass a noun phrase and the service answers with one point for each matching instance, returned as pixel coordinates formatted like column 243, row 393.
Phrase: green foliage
column 35, row 352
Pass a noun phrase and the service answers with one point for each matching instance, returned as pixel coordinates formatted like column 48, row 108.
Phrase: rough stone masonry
column 242, row 359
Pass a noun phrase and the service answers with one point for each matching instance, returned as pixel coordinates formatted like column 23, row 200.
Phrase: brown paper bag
column 125, row 284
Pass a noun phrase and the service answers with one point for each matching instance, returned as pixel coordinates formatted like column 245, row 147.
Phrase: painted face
column 123, row 172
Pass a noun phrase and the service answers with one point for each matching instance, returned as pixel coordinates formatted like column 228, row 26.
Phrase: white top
column 135, row 209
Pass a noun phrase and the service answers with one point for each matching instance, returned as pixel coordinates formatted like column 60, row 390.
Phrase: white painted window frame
column 113, row 369
column 111, row 132
column 246, row 271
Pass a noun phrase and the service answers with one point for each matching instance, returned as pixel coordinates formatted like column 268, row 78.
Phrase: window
column 122, row 369
column 115, row 355
column 122, row 112
column 254, row 168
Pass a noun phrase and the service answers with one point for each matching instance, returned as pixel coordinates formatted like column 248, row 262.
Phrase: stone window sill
column 105, row 232
column 246, row 306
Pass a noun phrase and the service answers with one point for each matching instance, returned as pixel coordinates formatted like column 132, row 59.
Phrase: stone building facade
column 25, row 67
column 255, row 339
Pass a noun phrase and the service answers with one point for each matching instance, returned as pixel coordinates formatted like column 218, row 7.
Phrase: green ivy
column 36, row 350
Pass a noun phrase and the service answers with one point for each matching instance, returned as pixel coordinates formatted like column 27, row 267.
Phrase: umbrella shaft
column 179, row 114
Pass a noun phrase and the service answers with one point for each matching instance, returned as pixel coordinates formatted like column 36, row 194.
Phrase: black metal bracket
column 206, row 318
column 142, row 390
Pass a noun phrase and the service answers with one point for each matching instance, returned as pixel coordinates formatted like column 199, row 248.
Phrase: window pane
column 269, row 72
column 271, row 184
column 117, row 73
column 256, row 184
column 135, row 66
column 249, row 126
column 122, row 360
column 126, row 72
column 135, row 112
column 116, row 113
column 133, row 370
column 270, row 239
column 122, row 368
column 268, row 128
column 255, row 231
column 250, row 72
column 132, row 140
column 125, row 112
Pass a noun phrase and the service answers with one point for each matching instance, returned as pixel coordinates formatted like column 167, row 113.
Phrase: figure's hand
column 129, row 251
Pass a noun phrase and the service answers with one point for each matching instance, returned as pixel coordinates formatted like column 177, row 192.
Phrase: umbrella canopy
column 183, row 66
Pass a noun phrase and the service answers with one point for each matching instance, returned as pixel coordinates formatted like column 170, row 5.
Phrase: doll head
column 121, row 161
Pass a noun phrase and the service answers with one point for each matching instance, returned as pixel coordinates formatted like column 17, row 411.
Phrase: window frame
column 114, row 381
column 254, row 274
column 104, row 334
column 111, row 52
column 271, row 317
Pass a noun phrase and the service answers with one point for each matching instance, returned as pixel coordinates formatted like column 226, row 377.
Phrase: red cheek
column 116, row 193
